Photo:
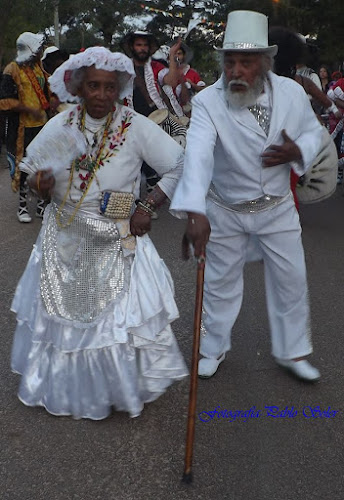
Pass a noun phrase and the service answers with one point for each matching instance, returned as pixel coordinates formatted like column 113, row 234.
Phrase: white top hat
column 247, row 31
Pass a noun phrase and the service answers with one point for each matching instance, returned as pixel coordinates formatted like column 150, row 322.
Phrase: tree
column 16, row 17
column 87, row 22
column 321, row 19
column 105, row 17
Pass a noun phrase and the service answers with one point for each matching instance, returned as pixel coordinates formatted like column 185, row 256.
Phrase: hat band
column 243, row 45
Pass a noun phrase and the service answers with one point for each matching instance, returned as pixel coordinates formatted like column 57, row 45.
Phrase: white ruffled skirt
column 128, row 357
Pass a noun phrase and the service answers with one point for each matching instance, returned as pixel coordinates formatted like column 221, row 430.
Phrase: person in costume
column 153, row 88
column 95, row 303
column 189, row 82
column 246, row 133
column 336, row 93
column 301, row 66
column 52, row 58
column 189, row 76
column 289, row 48
column 24, row 96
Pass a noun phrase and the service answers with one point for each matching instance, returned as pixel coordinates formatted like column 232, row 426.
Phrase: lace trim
column 151, row 87
column 152, row 91
column 173, row 100
column 100, row 58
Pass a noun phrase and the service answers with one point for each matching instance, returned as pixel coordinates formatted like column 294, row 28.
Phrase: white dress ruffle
column 125, row 359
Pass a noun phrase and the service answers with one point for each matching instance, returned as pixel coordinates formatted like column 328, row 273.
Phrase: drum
column 171, row 124
column 320, row 181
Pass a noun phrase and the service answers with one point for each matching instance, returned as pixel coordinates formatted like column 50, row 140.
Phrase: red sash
column 36, row 87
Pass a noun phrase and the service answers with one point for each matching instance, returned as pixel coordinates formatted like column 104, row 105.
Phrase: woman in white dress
column 95, row 303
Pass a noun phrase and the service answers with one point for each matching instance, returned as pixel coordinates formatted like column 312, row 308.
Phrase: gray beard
column 239, row 100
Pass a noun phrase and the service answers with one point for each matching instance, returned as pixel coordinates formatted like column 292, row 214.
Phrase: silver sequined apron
column 82, row 265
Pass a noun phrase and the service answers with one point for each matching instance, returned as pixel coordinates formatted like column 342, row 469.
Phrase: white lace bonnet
column 28, row 45
column 100, row 58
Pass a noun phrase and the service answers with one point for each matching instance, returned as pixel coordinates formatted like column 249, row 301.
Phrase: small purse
column 116, row 204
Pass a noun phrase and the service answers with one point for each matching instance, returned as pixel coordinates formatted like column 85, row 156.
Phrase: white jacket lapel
column 242, row 116
column 280, row 111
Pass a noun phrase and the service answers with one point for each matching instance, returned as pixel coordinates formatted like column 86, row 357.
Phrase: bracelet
column 142, row 212
column 146, row 207
column 149, row 202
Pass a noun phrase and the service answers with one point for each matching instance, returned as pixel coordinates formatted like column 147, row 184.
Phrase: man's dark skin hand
column 285, row 153
column 197, row 233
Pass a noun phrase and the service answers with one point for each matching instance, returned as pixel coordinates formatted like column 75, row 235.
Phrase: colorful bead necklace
column 92, row 167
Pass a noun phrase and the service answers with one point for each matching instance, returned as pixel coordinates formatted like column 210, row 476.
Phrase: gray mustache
column 238, row 82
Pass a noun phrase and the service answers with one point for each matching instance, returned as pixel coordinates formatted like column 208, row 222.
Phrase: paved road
column 44, row 457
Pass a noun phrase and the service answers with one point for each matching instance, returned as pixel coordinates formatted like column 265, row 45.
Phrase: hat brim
column 48, row 51
column 128, row 40
column 271, row 50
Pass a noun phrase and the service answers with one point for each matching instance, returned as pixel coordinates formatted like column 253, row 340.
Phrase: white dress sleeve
column 160, row 152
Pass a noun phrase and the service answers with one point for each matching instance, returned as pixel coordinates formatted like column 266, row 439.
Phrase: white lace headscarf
column 100, row 58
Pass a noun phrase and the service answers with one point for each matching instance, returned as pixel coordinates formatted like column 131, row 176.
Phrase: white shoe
column 207, row 367
column 301, row 369
column 23, row 215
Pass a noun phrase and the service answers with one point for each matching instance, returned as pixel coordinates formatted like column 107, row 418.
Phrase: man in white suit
column 247, row 131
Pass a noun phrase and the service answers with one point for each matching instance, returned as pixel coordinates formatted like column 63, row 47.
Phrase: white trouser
column 278, row 233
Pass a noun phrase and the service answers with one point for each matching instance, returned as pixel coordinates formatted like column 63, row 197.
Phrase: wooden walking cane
column 190, row 432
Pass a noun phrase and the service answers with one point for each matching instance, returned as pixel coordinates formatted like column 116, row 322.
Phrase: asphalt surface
column 260, row 458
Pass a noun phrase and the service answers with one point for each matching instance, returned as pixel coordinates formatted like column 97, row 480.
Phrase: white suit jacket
column 224, row 146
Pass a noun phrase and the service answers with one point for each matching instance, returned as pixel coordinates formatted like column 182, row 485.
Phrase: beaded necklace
column 92, row 167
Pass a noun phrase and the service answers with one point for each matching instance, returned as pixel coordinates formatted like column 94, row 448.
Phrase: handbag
column 116, row 204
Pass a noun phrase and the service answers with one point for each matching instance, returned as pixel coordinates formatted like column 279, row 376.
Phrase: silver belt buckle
column 251, row 206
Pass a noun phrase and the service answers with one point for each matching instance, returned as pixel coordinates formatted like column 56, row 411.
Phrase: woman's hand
column 140, row 223
column 42, row 183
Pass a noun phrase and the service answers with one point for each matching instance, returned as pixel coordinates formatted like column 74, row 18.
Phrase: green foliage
column 87, row 22
column 16, row 17
column 107, row 17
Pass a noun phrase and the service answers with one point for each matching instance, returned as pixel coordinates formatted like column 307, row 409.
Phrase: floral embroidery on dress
column 116, row 136
column 72, row 114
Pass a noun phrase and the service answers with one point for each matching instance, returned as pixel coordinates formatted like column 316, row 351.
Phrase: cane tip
column 187, row 478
